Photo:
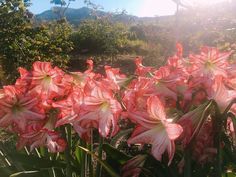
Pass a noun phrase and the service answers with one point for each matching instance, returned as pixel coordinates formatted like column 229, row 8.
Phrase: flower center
column 105, row 106
column 16, row 108
column 209, row 64
column 46, row 81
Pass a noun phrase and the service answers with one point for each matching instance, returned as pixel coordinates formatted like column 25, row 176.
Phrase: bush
column 100, row 36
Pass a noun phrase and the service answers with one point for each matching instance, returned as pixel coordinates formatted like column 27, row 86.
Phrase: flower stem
column 218, row 123
column 90, row 160
column 67, row 135
column 99, row 167
column 187, row 160
column 83, row 160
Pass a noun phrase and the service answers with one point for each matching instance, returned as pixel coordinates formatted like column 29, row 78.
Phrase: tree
column 21, row 42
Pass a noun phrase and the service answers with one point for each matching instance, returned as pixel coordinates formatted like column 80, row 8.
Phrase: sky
column 141, row 8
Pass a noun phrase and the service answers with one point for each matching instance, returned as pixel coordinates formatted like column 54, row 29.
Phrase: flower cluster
column 165, row 104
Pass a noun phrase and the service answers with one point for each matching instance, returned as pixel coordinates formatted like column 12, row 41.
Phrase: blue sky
column 142, row 8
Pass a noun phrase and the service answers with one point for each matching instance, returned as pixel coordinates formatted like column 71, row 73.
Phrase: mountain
column 75, row 16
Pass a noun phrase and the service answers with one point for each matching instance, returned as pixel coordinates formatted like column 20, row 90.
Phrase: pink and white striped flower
column 154, row 128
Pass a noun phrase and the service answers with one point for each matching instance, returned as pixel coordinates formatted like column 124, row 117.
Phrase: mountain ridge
column 75, row 16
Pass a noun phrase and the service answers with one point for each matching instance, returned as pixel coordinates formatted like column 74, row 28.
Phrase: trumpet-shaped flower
column 113, row 78
column 19, row 108
column 190, row 123
column 135, row 97
column 99, row 109
column 210, row 63
column 154, row 128
column 133, row 167
column 221, row 94
column 47, row 81
column 42, row 137
column 140, row 69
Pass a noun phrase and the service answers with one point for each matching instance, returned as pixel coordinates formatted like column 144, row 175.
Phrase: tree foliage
column 23, row 42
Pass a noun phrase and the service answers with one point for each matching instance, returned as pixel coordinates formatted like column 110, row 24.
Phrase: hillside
column 75, row 16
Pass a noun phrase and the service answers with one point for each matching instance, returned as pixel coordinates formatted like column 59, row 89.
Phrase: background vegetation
column 67, row 37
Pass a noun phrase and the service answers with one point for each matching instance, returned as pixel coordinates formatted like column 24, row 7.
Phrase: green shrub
column 100, row 36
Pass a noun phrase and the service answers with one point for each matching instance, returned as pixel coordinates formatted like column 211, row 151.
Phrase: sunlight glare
column 150, row 8
column 205, row 2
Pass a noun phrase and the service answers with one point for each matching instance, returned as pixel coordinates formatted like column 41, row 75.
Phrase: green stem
column 218, row 123
column 90, row 160
column 219, row 159
column 99, row 167
column 187, row 160
column 83, row 160
column 229, row 107
column 67, row 135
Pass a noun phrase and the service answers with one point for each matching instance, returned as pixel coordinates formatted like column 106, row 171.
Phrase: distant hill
column 75, row 16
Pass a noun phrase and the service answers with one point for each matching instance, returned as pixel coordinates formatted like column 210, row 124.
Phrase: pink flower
column 19, row 108
column 166, row 82
column 203, row 147
column 47, row 81
column 230, row 81
column 136, row 95
column 230, row 128
column 179, row 49
column 70, row 109
column 221, row 94
column 140, row 69
column 210, row 63
column 80, row 78
column 113, row 78
column 154, row 128
column 100, row 109
column 42, row 137
column 42, row 133
column 133, row 167
column 190, row 122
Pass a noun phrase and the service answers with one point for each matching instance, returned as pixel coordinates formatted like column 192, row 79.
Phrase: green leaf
column 107, row 167
column 120, row 136
column 6, row 171
column 115, row 154
column 25, row 174
column 34, row 162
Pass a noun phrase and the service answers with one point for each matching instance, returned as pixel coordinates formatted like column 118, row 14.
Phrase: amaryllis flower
column 203, row 147
column 69, row 107
column 191, row 122
column 210, row 63
column 42, row 133
column 166, row 82
column 137, row 93
column 47, row 81
column 42, row 137
column 154, row 128
column 221, row 94
column 23, row 82
column 80, row 78
column 231, row 129
column 100, row 109
column 70, row 112
column 133, row 167
column 179, row 49
column 230, row 81
column 140, row 69
column 18, row 108
column 113, row 78
column 198, row 91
